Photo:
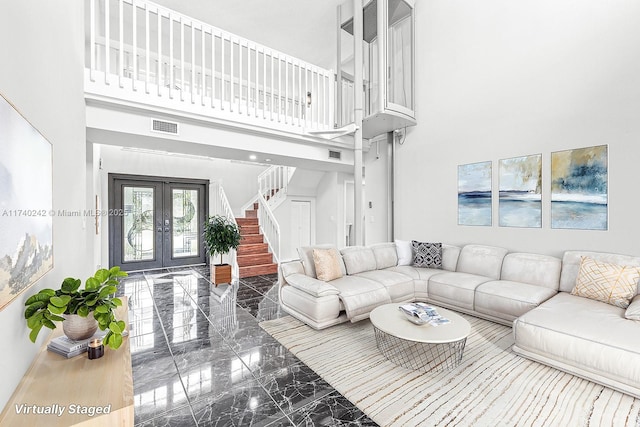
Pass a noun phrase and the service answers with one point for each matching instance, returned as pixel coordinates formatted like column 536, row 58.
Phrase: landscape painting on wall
column 579, row 188
column 26, row 243
column 520, row 201
column 474, row 194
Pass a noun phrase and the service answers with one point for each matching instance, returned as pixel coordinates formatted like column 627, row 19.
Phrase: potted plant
column 93, row 306
column 220, row 236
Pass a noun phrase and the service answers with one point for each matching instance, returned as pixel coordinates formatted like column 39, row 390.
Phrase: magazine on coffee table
column 421, row 313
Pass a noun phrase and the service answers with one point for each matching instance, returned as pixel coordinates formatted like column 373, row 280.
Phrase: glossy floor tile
column 200, row 359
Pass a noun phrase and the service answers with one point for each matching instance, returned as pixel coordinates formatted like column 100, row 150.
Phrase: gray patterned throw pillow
column 427, row 254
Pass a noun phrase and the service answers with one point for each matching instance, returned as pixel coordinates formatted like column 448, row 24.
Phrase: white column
column 358, row 115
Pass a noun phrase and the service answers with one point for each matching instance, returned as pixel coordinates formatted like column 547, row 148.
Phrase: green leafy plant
column 220, row 235
column 96, row 298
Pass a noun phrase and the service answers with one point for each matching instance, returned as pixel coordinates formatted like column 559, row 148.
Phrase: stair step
column 255, row 206
column 257, row 270
column 254, row 259
column 253, row 248
column 251, row 238
column 251, row 213
column 247, row 221
column 249, row 229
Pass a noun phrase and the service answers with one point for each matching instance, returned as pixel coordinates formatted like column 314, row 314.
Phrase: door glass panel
column 400, row 48
column 185, row 236
column 138, row 236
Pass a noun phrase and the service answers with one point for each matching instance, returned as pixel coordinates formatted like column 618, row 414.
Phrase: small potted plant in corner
column 81, row 311
column 220, row 236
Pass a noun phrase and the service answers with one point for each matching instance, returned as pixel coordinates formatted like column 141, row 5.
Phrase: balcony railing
column 140, row 51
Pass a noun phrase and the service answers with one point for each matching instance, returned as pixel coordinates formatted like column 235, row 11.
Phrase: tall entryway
column 156, row 221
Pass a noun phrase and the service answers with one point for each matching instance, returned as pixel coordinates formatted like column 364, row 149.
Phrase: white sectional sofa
column 530, row 292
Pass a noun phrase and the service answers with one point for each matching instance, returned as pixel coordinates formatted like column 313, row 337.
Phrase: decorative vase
column 79, row 328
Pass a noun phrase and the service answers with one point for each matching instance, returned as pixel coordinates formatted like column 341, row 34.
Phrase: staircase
column 254, row 258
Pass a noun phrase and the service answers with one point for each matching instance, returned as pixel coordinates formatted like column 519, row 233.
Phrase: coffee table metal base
column 418, row 356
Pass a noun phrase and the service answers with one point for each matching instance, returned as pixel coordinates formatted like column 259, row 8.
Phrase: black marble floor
column 200, row 359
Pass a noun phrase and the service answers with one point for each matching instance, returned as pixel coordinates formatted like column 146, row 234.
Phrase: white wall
column 329, row 211
column 42, row 74
column 376, row 226
column 239, row 180
column 500, row 79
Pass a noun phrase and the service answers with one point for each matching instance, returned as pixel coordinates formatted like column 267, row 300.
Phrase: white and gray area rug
column 492, row 386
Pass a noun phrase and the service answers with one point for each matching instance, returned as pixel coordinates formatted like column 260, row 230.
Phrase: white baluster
column 134, row 50
column 121, row 37
column 107, row 44
column 203, row 62
column 159, row 60
column 171, row 76
column 92, row 36
column 147, row 53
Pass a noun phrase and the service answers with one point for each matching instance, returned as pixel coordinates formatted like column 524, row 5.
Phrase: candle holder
column 95, row 349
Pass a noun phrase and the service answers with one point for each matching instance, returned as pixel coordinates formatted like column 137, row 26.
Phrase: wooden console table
column 77, row 385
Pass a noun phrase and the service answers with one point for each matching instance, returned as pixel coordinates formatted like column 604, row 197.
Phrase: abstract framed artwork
column 26, row 203
column 520, row 195
column 474, row 194
column 579, row 188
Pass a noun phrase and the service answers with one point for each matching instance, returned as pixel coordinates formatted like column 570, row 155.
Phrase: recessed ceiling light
column 267, row 160
column 252, row 157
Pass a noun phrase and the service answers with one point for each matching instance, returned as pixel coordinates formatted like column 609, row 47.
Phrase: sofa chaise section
column 585, row 337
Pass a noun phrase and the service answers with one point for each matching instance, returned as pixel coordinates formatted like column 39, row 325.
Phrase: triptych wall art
column 26, row 194
column 579, row 189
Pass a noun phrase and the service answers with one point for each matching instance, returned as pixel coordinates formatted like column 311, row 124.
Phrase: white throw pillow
column 633, row 311
column 405, row 254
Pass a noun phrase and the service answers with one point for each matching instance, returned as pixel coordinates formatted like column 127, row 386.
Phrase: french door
column 156, row 221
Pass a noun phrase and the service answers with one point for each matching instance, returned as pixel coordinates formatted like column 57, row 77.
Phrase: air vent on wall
column 165, row 127
column 335, row 155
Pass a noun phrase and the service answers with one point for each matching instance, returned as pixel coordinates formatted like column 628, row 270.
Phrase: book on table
column 67, row 347
column 421, row 313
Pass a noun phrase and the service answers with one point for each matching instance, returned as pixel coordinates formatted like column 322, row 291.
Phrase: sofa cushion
column 327, row 264
column 507, row 299
column 358, row 259
column 426, row 254
column 572, row 259
column 385, row 254
column 403, row 250
column 535, row 269
column 450, row 255
column 611, row 283
column 586, row 334
column 481, row 260
column 399, row 286
column 633, row 311
column 455, row 288
column 306, row 257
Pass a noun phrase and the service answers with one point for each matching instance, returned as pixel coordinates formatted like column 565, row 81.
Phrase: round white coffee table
column 419, row 347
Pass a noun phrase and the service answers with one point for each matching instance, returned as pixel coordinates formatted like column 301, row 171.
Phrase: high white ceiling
column 305, row 29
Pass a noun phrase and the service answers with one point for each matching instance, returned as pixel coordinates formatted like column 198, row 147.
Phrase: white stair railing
column 222, row 207
column 142, row 52
column 273, row 184
column 269, row 227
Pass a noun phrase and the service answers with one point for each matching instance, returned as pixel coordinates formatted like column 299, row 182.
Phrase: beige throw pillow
column 327, row 264
column 611, row 283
